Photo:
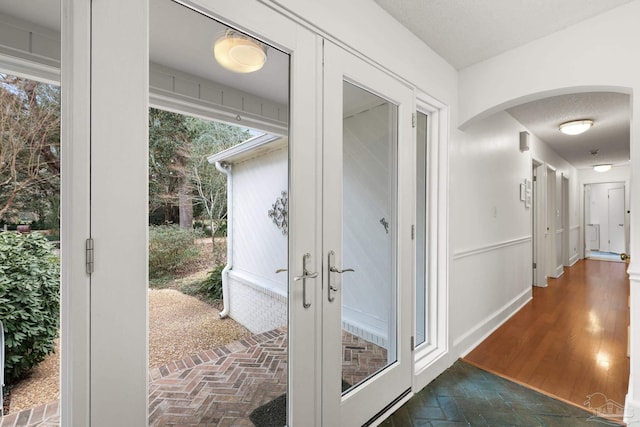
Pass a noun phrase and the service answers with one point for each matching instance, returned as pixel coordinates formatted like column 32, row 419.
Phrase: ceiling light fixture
column 602, row 168
column 576, row 127
column 239, row 53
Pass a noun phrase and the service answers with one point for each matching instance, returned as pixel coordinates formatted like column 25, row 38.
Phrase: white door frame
column 119, row 211
column 539, row 214
column 256, row 18
column 552, row 223
column 584, row 208
column 566, row 227
column 74, row 221
column 120, row 292
column 430, row 357
column 96, row 357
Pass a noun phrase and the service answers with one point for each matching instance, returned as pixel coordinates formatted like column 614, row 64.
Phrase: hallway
column 570, row 341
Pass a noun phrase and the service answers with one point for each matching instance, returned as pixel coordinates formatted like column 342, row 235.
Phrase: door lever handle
column 306, row 274
column 335, row 270
column 281, row 270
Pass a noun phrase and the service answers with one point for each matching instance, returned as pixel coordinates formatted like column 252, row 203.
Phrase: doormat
column 274, row 413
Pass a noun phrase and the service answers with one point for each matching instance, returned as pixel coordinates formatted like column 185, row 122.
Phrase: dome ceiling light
column 239, row 53
column 602, row 168
column 576, row 127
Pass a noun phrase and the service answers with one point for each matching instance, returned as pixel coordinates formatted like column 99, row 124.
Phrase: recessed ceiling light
column 602, row 168
column 576, row 127
column 239, row 53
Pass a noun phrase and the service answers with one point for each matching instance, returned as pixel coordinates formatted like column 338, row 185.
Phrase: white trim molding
column 632, row 402
column 29, row 66
column 472, row 338
column 492, row 247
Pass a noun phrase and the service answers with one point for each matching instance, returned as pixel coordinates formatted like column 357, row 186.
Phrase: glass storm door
column 367, row 248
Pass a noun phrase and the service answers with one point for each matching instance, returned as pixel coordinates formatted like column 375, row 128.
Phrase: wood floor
column 570, row 341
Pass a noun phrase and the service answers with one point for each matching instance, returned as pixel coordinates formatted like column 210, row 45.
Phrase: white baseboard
column 575, row 258
column 463, row 345
column 559, row 271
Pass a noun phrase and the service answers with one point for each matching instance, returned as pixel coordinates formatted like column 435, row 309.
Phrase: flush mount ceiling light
column 239, row 53
column 576, row 127
column 602, row 168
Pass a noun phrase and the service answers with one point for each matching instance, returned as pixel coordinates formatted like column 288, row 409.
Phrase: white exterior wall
column 255, row 306
column 542, row 68
column 257, row 295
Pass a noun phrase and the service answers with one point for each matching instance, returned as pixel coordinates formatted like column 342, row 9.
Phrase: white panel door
column 591, row 232
column 368, row 199
column 616, row 220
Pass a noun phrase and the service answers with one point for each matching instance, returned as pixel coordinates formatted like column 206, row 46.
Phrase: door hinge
column 414, row 120
column 535, row 265
column 413, row 343
column 535, row 178
column 89, row 255
column 413, row 232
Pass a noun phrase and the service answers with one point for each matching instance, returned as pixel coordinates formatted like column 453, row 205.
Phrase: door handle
column 306, row 274
column 333, row 269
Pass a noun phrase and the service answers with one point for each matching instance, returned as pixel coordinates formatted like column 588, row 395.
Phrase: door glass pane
column 368, row 235
column 421, row 230
column 218, row 223
column 30, row 171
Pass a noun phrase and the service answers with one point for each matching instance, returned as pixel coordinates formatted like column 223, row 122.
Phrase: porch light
column 576, row 127
column 602, row 168
column 239, row 53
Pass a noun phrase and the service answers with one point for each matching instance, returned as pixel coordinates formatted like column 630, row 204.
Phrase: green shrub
column 29, row 300
column 221, row 231
column 170, row 248
column 211, row 287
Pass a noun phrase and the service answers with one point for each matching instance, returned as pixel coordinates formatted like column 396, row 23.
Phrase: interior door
column 591, row 233
column 539, row 225
column 616, row 220
column 367, row 156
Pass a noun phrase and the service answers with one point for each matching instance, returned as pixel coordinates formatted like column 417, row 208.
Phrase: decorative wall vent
column 279, row 213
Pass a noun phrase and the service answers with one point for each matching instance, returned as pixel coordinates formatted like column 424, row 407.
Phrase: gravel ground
column 179, row 326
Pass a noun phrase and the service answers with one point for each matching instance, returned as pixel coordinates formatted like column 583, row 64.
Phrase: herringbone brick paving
column 222, row 391
column 222, row 386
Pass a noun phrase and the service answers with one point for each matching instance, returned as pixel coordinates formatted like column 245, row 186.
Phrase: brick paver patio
column 222, row 386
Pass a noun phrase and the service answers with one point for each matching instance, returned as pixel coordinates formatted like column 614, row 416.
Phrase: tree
column 210, row 184
column 179, row 173
column 169, row 176
column 30, row 144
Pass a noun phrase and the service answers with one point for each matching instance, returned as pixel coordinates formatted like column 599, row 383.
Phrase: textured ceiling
column 468, row 31
column 609, row 135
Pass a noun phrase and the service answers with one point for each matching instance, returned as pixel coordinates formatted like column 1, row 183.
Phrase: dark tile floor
column 464, row 395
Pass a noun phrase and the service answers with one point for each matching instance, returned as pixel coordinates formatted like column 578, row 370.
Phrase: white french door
column 367, row 215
